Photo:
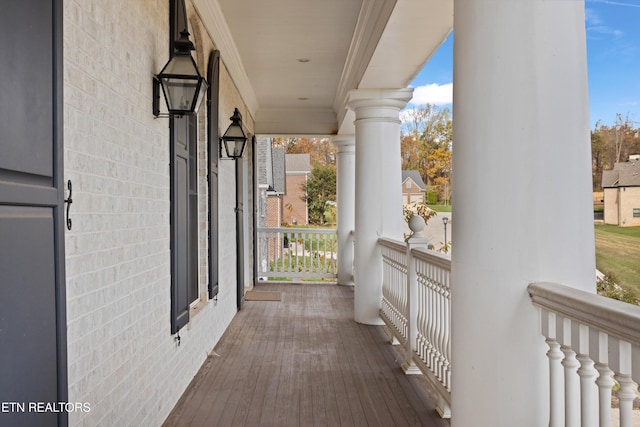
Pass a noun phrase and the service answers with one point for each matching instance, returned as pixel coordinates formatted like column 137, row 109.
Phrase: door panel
column 33, row 364
column 26, row 87
column 28, row 360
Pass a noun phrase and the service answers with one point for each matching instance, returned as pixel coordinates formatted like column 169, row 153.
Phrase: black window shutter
column 179, row 191
column 179, row 223
column 213, row 74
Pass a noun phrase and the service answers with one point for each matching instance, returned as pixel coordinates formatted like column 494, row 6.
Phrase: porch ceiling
column 348, row 44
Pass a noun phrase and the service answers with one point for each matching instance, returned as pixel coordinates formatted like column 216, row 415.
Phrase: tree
column 321, row 150
column 439, row 171
column 319, row 189
column 598, row 154
column 426, row 143
column 612, row 144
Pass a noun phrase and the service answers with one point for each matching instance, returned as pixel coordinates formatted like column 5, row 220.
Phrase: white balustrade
column 416, row 306
column 394, row 287
column 299, row 253
column 433, row 346
column 592, row 340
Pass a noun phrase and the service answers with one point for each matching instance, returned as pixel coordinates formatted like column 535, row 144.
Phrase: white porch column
column 522, row 197
column 378, row 198
column 346, row 188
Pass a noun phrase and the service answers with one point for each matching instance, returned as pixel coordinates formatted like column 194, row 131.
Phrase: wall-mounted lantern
column 234, row 138
column 182, row 85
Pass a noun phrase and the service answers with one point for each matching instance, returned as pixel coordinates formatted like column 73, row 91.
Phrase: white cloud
column 596, row 26
column 433, row 94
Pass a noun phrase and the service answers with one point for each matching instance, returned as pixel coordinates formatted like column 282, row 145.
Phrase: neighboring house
column 413, row 188
column 298, row 168
column 621, row 187
column 271, row 184
column 276, row 193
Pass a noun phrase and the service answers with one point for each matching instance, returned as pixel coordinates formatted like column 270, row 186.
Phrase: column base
column 374, row 321
column 410, row 368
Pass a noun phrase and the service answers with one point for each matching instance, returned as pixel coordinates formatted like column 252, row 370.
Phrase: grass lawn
column 618, row 251
column 441, row 208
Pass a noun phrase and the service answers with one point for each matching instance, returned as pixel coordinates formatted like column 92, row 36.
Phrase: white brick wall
column 121, row 356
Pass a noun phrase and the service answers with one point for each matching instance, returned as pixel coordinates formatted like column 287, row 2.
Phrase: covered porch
column 303, row 361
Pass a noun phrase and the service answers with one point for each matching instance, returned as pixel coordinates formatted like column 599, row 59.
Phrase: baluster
column 447, row 348
column 571, row 379
column 276, row 251
column 317, row 253
column 599, row 350
column 434, row 323
column 588, row 396
column 587, row 373
column 556, row 418
column 313, row 248
column 327, row 255
column 438, row 314
column 431, row 316
column 556, row 400
column 418, row 297
column 421, row 313
column 605, row 383
column 626, row 393
column 270, row 248
column 440, row 296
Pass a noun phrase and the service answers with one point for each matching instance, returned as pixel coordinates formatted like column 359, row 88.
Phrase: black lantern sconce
column 234, row 138
column 182, row 85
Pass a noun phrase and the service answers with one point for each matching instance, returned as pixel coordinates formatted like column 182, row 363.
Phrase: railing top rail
column 435, row 258
column 392, row 244
column 297, row 230
column 616, row 318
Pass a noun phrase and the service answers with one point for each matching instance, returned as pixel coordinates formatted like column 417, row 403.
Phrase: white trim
column 213, row 18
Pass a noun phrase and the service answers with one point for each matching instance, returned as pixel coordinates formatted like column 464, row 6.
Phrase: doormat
column 262, row 296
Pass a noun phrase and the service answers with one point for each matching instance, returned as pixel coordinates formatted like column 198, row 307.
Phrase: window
column 408, row 184
column 636, row 212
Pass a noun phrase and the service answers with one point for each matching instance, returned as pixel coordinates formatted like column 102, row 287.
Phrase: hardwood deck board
column 303, row 361
column 285, row 395
column 198, row 398
column 227, row 391
column 263, row 371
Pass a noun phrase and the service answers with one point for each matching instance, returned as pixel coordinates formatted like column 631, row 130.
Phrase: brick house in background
column 413, row 187
column 621, row 188
column 297, row 170
column 271, row 182
column 276, row 193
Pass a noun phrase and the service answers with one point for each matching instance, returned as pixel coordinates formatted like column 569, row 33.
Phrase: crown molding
column 216, row 26
column 372, row 20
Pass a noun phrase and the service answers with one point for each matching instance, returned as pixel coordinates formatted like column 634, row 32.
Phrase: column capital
column 345, row 143
column 379, row 98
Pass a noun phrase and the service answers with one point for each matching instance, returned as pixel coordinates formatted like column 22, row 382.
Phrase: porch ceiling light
column 234, row 138
column 182, row 85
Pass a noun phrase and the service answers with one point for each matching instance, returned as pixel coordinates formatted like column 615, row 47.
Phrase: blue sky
column 613, row 55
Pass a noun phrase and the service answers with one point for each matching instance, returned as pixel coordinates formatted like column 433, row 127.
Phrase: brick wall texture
column 295, row 209
column 122, row 358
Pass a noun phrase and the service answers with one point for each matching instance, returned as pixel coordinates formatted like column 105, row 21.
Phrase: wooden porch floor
column 304, row 361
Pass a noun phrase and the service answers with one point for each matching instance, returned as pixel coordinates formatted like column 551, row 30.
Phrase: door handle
column 68, row 201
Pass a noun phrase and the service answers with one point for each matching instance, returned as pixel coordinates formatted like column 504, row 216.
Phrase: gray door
column 32, row 293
